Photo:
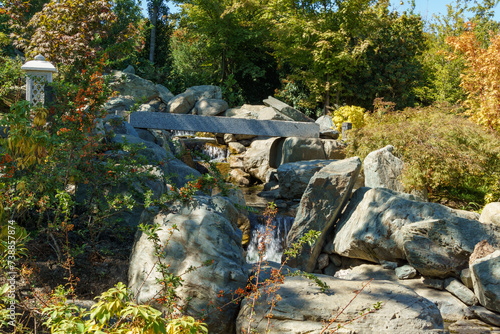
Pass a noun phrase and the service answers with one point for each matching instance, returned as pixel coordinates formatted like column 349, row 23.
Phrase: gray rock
column 486, row 315
column 239, row 177
column 164, row 93
column 486, row 280
column 406, row 272
column 182, row 103
column 382, row 169
column 388, row 264
column 366, row 272
column 331, row 269
column 210, row 107
column 466, row 278
column 236, row 148
column 325, row 123
column 119, row 105
column 287, row 110
column 129, row 69
column 119, row 126
column 203, row 235
column 300, row 149
column 323, row 261
column 146, row 135
column 329, row 134
column 491, row 214
column 334, row 150
column 146, row 108
column 303, row 308
column 205, row 91
column 324, row 199
column 133, row 85
column 434, row 283
column 256, row 158
column 335, row 259
column 380, row 224
column 456, row 288
column 294, row 176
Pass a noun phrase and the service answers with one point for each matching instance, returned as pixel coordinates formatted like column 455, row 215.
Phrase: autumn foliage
column 481, row 76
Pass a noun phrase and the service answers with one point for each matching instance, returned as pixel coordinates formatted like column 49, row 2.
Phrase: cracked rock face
column 303, row 308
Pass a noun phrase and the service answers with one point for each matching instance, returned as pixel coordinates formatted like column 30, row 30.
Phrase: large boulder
column 303, row 308
column 294, row 177
column 119, row 105
column 334, row 149
column 210, row 107
column 257, row 157
column 164, row 93
column 205, row 91
column 133, row 85
column 259, row 112
column 382, row 169
column 486, row 280
column 182, row 103
column 321, row 204
column 491, row 214
column 381, row 224
column 203, row 235
column 300, row 149
column 286, row 110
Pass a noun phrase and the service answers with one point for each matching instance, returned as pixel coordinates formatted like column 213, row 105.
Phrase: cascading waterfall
column 180, row 133
column 215, row 152
column 276, row 241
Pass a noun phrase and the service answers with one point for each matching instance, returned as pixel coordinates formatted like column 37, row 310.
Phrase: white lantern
column 38, row 72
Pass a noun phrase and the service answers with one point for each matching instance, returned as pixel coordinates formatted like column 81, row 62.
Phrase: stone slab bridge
column 218, row 124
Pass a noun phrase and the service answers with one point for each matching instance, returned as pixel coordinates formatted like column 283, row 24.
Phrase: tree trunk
column 327, row 95
column 152, row 42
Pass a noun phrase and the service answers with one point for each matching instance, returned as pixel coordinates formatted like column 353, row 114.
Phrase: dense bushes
column 447, row 154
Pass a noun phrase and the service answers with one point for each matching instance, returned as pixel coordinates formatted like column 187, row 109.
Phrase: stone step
column 213, row 124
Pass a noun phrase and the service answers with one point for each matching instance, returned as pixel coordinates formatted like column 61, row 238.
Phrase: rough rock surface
column 203, row 235
column 303, row 308
column 300, row 149
column 182, row 103
column 294, row 176
column 322, row 202
column 133, row 85
column 486, row 280
column 382, row 169
column 287, row 110
column 256, row 158
column 456, row 288
column 491, row 214
column 205, row 91
column 334, row 149
column 380, row 224
column 210, row 107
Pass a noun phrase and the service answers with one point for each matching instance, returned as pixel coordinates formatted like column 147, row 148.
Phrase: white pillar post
column 38, row 72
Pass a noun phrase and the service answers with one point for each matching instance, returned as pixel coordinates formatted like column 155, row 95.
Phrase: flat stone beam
column 217, row 124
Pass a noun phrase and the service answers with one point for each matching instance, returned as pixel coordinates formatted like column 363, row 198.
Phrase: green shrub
column 451, row 157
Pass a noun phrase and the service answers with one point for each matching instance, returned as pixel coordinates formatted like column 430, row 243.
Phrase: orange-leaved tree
column 481, row 76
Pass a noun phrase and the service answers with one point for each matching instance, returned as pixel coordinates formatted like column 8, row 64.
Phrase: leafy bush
column 352, row 114
column 447, row 154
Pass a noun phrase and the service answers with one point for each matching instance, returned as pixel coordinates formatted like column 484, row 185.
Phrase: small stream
column 275, row 241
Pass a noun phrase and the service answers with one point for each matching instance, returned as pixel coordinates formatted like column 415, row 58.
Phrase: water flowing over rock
column 203, row 235
column 380, row 224
column 324, row 199
column 303, row 308
column 274, row 242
